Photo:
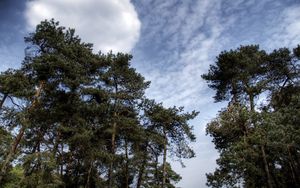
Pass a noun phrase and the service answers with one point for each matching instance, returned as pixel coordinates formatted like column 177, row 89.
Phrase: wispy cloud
column 179, row 40
column 287, row 31
column 109, row 24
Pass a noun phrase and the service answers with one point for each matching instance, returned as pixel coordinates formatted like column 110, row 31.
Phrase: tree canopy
column 258, row 142
column 73, row 118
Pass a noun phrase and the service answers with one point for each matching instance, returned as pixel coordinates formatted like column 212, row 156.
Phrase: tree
column 172, row 125
column 72, row 118
column 247, row 138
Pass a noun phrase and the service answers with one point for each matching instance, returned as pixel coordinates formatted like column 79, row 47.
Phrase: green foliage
column 72, row 118
column 259, row 147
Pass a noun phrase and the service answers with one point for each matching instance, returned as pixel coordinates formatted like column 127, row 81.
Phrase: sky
column 173, row 43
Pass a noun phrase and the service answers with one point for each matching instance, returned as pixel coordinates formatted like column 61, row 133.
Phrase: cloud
column 179, row 40
column 183, row 43
column 287, row 32
column 108, row 24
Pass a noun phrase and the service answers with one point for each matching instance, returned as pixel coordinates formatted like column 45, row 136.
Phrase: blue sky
column 172, row 41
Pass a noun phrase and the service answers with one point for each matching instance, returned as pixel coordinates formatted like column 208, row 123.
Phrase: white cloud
column 108, row 24
column 192, row 36
column 188, row 38
column 181, row 38
column 287, row 32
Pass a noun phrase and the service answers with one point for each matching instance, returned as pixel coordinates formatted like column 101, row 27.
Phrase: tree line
column 73, row 118
column 258, row 133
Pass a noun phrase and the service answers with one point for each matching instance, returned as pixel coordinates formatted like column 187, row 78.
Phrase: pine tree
column 245, row 135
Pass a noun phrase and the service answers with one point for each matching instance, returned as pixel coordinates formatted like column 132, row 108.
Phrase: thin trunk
column 292, row 171
column 234, row 92
column 11, row 153
column 19, row 136
column 113, row 145
column 292, row 167
column 55, row 149
column 156, row 171
column 262, row 147
column 113, row 136
column 164, row 162
column 141, row 172
column 251, row 98
column 89, row 175
column 126, row 167
column 266, row 166
column 62, row 159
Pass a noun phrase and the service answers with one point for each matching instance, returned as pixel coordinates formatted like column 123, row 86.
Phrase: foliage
column 73, row 118
column 258, row 143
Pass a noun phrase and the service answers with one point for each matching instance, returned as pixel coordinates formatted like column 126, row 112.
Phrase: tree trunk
column 157, row 182
column 251, row 98
column 293, row 167
column 262, row 147
column 164, row 162
column 19, row 136
column 141, row 173
column 266, row 166
column 11, row 153
column 126, row 167
column 113, row 145
column 89, row 175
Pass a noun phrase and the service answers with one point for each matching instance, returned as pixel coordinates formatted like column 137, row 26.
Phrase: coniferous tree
column 246, row 135
column 73, row 118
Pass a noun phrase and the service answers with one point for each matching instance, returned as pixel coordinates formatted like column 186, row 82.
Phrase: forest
column 73, row 118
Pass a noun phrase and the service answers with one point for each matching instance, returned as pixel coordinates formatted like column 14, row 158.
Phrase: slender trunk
column 266, row 166
column 293, row 167
column 292, row 171
column 141, row 172
column 251, row 98
column 164, row 162
column 62, row 160
column 156, row 171
column 19, row 136
column 262, row 147
column 89, row 175
column 3, row 100
column 113, row 136
column 113, row 145
column 11, row 153
column 234, row 92
column 126, row 167
column 55, row 150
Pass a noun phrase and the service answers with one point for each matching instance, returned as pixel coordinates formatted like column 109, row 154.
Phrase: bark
column 251, row 98
column 113, row 145
column 11, row 153
column 20, row 134
column 262, row 147
column 89, row 175
column 62, row 159
column 55, row 148
column 156, row 170
column 113, row 136
column 164, row 162
column 141, row 173
column 266, row 166
column 126, row 167
column 234, row 92
column 293, row 167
